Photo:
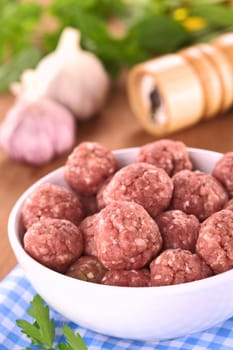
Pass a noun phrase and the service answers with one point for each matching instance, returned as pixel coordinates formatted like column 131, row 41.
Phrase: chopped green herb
column 41, row 331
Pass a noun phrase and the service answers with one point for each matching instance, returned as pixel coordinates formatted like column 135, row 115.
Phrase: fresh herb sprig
column 41, row 331
column 150, row 28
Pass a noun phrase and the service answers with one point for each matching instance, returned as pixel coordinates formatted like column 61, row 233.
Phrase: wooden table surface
column 115, row 127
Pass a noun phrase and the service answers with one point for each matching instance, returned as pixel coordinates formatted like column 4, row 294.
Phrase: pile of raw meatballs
column 154, row 222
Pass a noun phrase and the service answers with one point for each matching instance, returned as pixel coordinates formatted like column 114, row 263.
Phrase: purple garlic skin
column 37, row 131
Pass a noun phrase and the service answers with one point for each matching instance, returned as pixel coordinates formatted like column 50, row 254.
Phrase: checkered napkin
column 16, row 294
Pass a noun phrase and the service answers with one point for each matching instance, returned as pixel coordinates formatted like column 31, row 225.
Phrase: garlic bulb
column 69, row 75
column 35, row 131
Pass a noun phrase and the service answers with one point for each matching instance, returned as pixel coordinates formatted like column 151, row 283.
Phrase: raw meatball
column 126, row 236
column 175, row 266
column 223, row 171
column 142, row 183
column 215, row 241
column 229, row 205
column 198, row 193
column 53, row 201
column 127, row 278
column 55, row 243
column 88, row 166
column 87, row 268
column 178, row 229
column 88, row 228
column 170, row 155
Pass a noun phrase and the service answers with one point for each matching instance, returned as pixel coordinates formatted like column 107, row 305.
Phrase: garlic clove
column 69, row 75
column 35, row 132
column 26, row 79
column 84, row 93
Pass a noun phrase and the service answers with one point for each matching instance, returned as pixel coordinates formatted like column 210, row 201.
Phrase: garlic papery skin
column 69, row 75
column 35, row 132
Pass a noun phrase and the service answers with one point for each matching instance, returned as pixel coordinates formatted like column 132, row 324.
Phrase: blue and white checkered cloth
column 16, row 294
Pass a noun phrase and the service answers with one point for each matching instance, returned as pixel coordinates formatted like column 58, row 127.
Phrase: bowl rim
column 181, row 288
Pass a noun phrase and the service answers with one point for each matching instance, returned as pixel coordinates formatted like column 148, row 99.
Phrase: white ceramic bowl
column 137, row 313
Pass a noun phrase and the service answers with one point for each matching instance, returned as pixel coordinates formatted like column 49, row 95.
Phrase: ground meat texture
column 127, row 278
column 215, row 241
column 88, row 166
column 87, row 268
column 198, row 193
column 142, row 183
column 229, row 205
column 53, row 201
column 126, row 236
column 88, row 229
column 175, row 266
column 55, row 243
column 178, row 229
column 223, row 171
column 170, row 155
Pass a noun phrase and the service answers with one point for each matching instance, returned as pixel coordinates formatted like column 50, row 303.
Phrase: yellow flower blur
column 180, row 14
column 191, row 23
column 194, row 23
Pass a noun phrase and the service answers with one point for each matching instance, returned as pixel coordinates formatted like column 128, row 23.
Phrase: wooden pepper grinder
column 175, row 91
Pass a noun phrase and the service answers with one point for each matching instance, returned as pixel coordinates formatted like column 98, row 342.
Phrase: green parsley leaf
column 66, row 7
column 74, row 340
column 17, row 30
column 217, row 16
column 101, row 8
column 42, row 331
column 159, row 34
